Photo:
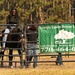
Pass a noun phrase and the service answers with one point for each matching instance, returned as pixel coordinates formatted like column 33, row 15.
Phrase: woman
column 12, row 19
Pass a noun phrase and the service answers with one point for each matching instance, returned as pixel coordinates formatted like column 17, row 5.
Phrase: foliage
column 41, row 11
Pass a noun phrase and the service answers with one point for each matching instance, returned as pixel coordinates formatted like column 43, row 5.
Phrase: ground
column 68, row 68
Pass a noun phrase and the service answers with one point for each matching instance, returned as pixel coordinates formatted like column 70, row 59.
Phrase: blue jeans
column 32, row 51
column 7, row 30
column 5, row 37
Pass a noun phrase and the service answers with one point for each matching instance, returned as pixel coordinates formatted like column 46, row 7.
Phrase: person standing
column 32, row 45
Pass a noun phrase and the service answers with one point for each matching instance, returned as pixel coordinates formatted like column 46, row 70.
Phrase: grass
column 68, row 68
column 40, row 70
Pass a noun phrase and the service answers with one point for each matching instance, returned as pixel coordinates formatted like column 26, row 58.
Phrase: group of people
column 12, row 21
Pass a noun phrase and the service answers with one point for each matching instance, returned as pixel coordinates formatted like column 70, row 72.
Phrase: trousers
column 32, row 52
column 5, row 37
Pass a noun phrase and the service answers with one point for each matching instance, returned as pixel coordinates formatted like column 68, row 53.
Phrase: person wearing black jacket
column 32, row 45
column 12, row 19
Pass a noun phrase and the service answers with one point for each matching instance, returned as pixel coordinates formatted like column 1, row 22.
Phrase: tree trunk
column 53, row 3
column 31, row 9
column 8, row 4
column 62, row 3
column 40, row 14
column 69, row 12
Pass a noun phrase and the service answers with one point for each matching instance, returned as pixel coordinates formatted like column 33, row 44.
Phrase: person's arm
column 7, row 20
column 18, row 21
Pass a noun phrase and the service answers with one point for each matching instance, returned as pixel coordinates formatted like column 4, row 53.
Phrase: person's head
column 13, row 12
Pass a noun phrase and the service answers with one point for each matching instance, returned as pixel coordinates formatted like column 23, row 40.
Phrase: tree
column 40, row 11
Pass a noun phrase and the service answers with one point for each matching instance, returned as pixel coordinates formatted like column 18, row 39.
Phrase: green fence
column 56, row 37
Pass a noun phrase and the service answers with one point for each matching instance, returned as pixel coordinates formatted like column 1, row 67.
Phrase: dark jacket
column 32, row 35
column 12, row 20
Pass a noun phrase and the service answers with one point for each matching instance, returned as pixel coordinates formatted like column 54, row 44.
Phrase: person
column 12, row 19
column 32, row 45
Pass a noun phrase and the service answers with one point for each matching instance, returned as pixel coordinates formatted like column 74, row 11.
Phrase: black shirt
column 32, row 35
column 12, row 20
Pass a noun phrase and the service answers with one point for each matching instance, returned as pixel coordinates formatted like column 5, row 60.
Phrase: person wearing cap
column 32, row 45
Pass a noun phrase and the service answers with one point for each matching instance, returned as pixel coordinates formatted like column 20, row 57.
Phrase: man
column 32, row 44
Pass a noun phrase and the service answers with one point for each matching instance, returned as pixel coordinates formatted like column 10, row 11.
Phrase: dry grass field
column 68, row 68
column 42, row 69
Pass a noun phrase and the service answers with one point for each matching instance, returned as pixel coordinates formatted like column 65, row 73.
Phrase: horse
column 11, row 45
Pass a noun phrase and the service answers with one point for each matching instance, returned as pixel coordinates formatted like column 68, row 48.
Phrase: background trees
column 39, row 11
